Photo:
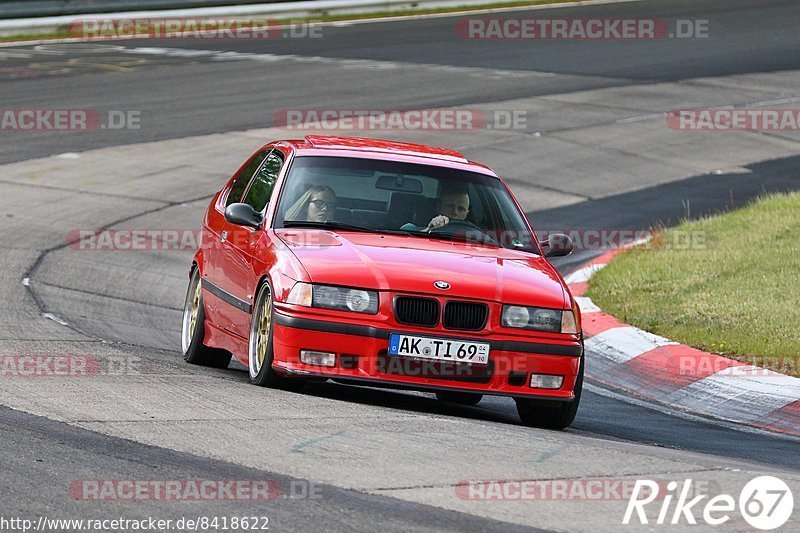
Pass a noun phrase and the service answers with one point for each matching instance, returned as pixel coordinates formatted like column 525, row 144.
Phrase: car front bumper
column 362, row 355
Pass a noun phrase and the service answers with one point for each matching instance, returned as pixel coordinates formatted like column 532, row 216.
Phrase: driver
column 452, row 204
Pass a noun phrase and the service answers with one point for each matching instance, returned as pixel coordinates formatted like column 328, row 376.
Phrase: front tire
column 461, row 398
column 550, row 414
column 260, row 347
column 193, row 330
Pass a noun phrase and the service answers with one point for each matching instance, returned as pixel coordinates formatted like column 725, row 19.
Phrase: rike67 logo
column 765, row 503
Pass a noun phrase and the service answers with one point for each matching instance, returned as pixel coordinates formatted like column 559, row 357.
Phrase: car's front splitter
column 361, row 354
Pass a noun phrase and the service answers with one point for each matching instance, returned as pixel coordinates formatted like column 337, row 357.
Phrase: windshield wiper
column 458, row 237
column 328, row 224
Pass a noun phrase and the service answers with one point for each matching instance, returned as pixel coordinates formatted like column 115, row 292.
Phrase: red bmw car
column 384, row 263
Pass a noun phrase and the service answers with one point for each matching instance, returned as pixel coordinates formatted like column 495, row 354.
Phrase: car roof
column 354, row 145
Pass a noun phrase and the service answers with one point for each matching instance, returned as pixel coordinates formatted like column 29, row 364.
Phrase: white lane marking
column 68, row 155
column 583, row 274
column 774, row 102
column 15, row 54
column 54, row 318
column 220, row 55
column 676, row 412
column 640, row 118
column 172, row 52
column 88, row 48
column 41, row 41
column 743, row 393
column 732, row 170
column 586, row 305
column 622, row 344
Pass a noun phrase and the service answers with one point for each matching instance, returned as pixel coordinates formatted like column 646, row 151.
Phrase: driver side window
column 260, row 191
column 243, row 178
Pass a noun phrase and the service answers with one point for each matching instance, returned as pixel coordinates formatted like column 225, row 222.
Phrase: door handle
column 224, row 236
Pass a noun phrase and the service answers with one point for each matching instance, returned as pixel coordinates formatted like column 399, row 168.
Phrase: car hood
column 413, row 264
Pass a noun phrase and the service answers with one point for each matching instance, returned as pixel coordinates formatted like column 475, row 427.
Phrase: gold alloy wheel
column 264, row 326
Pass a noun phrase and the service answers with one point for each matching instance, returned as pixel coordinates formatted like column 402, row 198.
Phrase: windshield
column 426, row 201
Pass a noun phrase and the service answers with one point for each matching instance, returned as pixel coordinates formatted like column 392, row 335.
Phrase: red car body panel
column 393, row 264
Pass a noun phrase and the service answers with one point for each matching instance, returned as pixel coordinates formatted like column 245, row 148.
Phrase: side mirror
column 557, row 245
column 244, row 215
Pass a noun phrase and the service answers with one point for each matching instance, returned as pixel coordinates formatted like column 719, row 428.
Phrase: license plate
column 440, row 349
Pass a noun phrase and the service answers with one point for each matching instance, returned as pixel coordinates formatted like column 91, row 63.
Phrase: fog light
column 310, row 357
column 546, row 381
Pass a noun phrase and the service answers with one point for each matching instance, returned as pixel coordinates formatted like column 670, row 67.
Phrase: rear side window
column 260, row 191
column 243, row 178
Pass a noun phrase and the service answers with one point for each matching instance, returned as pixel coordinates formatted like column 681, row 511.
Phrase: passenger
column 452, row 204
column 317, row 204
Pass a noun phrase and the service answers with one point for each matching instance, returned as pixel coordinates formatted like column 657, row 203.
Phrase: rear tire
column 550, row 414
column 260, row 348
column 461, row 398
column 193, row 330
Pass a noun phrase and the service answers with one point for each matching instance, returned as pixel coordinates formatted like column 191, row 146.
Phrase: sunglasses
column 321, row 204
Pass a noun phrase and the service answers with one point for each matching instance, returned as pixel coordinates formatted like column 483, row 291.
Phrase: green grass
column 64, row 32
column 735, row 291
column 60, row 33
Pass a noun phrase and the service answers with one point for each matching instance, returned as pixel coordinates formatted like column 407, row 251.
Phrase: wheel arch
column 263, row 280
column 197, row 262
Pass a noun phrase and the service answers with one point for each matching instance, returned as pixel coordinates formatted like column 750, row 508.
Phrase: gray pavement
column 58, row 452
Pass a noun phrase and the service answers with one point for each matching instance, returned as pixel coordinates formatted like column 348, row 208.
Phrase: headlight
column 515, row 316
column 331, row 297
column 555, row 320
column 361, row 301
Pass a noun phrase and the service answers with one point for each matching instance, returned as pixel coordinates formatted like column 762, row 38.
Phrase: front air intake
column 470, row 316
column 416, row 311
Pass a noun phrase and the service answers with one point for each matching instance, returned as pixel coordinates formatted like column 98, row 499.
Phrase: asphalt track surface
column 405, row 65
column 205, row 96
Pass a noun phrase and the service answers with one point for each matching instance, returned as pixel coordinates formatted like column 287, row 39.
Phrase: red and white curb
column 665, row 371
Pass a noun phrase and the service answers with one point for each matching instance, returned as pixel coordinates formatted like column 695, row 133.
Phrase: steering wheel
column 454, row 226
